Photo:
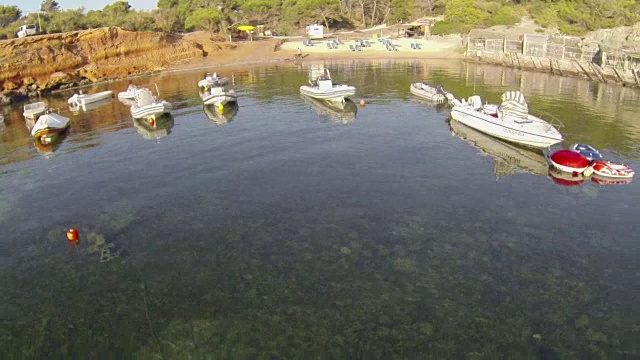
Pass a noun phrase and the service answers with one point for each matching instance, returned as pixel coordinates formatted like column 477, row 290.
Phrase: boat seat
column 476, row 102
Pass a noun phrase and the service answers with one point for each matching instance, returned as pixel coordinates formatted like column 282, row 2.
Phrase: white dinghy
column 322, row 87
column 218, row 96
column 129, row 94
column 432, row 93
column 49, row 124
column 509, row 121
column 81, row 99
column 33, row 110
column 149, row 106
column 212, row 80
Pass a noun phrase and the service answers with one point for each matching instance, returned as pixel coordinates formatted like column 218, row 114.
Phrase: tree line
column 291, row 16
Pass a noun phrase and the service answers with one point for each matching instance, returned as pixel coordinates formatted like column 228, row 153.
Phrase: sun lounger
column 352, row 48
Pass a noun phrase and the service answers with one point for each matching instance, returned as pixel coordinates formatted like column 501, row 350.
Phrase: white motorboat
column 81, row 99
column 217, row 95
column 130, row 93
column 212, row 80
column 149, row 106
column 33, row 110
column 76, row 108
column 509, row 121
column 49, row 124
column 322, row 87
column 432, row 93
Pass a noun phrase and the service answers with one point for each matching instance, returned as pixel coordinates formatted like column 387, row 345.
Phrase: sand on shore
column 264, row 51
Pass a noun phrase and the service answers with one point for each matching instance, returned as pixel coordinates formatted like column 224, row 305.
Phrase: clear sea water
column 288, row 230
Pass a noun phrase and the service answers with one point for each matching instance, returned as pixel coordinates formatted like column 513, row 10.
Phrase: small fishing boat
column 81, row 99
column 212, row 80
column 147, row 105
column 588, row 151
column 510, row 121
column 432, row 93
column 612, row 170
column 49, row 124
column 322, row 87
column 569, row 161
column 75, row 108
column 130, row 93
column 33, row 110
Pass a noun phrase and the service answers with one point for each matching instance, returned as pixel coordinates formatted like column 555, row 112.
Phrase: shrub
column 445, row 28
column 507, row 15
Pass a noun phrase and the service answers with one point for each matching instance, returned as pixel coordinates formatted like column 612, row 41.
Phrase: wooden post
column 524, row 44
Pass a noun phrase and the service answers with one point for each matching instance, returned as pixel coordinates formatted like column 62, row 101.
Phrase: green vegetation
column 291, row 16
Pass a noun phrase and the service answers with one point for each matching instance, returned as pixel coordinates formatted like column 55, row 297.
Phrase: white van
column 26, row 30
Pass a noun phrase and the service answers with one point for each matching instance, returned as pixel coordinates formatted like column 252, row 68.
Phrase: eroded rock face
column 44, row 62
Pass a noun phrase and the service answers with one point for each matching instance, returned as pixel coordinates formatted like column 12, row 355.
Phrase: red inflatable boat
column 569, row 161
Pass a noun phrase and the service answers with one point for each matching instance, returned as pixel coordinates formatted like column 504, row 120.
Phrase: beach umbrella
column 246, row 27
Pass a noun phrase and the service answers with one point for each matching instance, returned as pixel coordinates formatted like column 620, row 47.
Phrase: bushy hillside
column 291, row 16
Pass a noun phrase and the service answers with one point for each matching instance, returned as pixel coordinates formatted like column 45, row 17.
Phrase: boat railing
column 549, row 118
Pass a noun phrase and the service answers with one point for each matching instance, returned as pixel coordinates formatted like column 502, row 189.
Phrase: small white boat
column 322, row 87
column 212, row 80
column 612, row 170
column 49, row 124
column 217, row 95
column 509, row 121
column 147, row 105
column 33, row 110
column 130, row 93
column 81, row 99
column 76, row 108
column 432, row 93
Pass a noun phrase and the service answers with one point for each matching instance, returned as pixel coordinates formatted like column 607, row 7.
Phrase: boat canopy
column 144, row 97
column 514, row 105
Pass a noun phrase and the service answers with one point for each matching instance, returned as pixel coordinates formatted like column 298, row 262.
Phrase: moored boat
column 218, row 95
column 48, row 124
column 212, row 80
column 588, row 151
column 33, row 110
column 604, row 180
column 321, row 86
column 510, row 121
column 130, row 93
column 431, row 93
column 148, row 105
column 81, row 99
column 569, row 161
column 612, row 170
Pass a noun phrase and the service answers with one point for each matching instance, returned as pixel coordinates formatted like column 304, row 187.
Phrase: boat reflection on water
column 343, row 112
column 508, row 158
column 50, row 143
column 221, row 117
column 439, row 106
column 76, row 108
column 603, row 180
column 565, row 178
column 153, row 129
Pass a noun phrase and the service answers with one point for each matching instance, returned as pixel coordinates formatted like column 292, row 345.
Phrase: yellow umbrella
column 246, row 27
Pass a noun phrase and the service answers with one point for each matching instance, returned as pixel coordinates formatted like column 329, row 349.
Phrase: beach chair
column 358, row 48
column 352, row 48
column 330, row 46
column 387, row 46
column 413, row 46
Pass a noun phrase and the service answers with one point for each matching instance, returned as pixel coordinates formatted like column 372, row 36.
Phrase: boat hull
column 504, row 130
column 426, row 92
column 336, row 93
column 611, row 170
column 219, row 99
column 154, row 109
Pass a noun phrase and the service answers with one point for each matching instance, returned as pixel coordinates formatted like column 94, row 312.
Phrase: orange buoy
column 152, row 122
column 362, row 103
column 72, row 234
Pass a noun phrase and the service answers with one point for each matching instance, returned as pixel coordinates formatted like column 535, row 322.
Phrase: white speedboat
column 33, row 110
column 129, row 94
column 49, row 124
column 322, row 87
column 217, row 95
column 212, row 80
column 81, row 99
column 76, row 108
column 509, row 121
column 149, row 106
column 431, row 93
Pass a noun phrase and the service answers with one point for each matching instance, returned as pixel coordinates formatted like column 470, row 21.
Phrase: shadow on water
column 342, row 112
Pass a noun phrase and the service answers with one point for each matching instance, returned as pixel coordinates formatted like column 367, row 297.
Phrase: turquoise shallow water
column 287, row 230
